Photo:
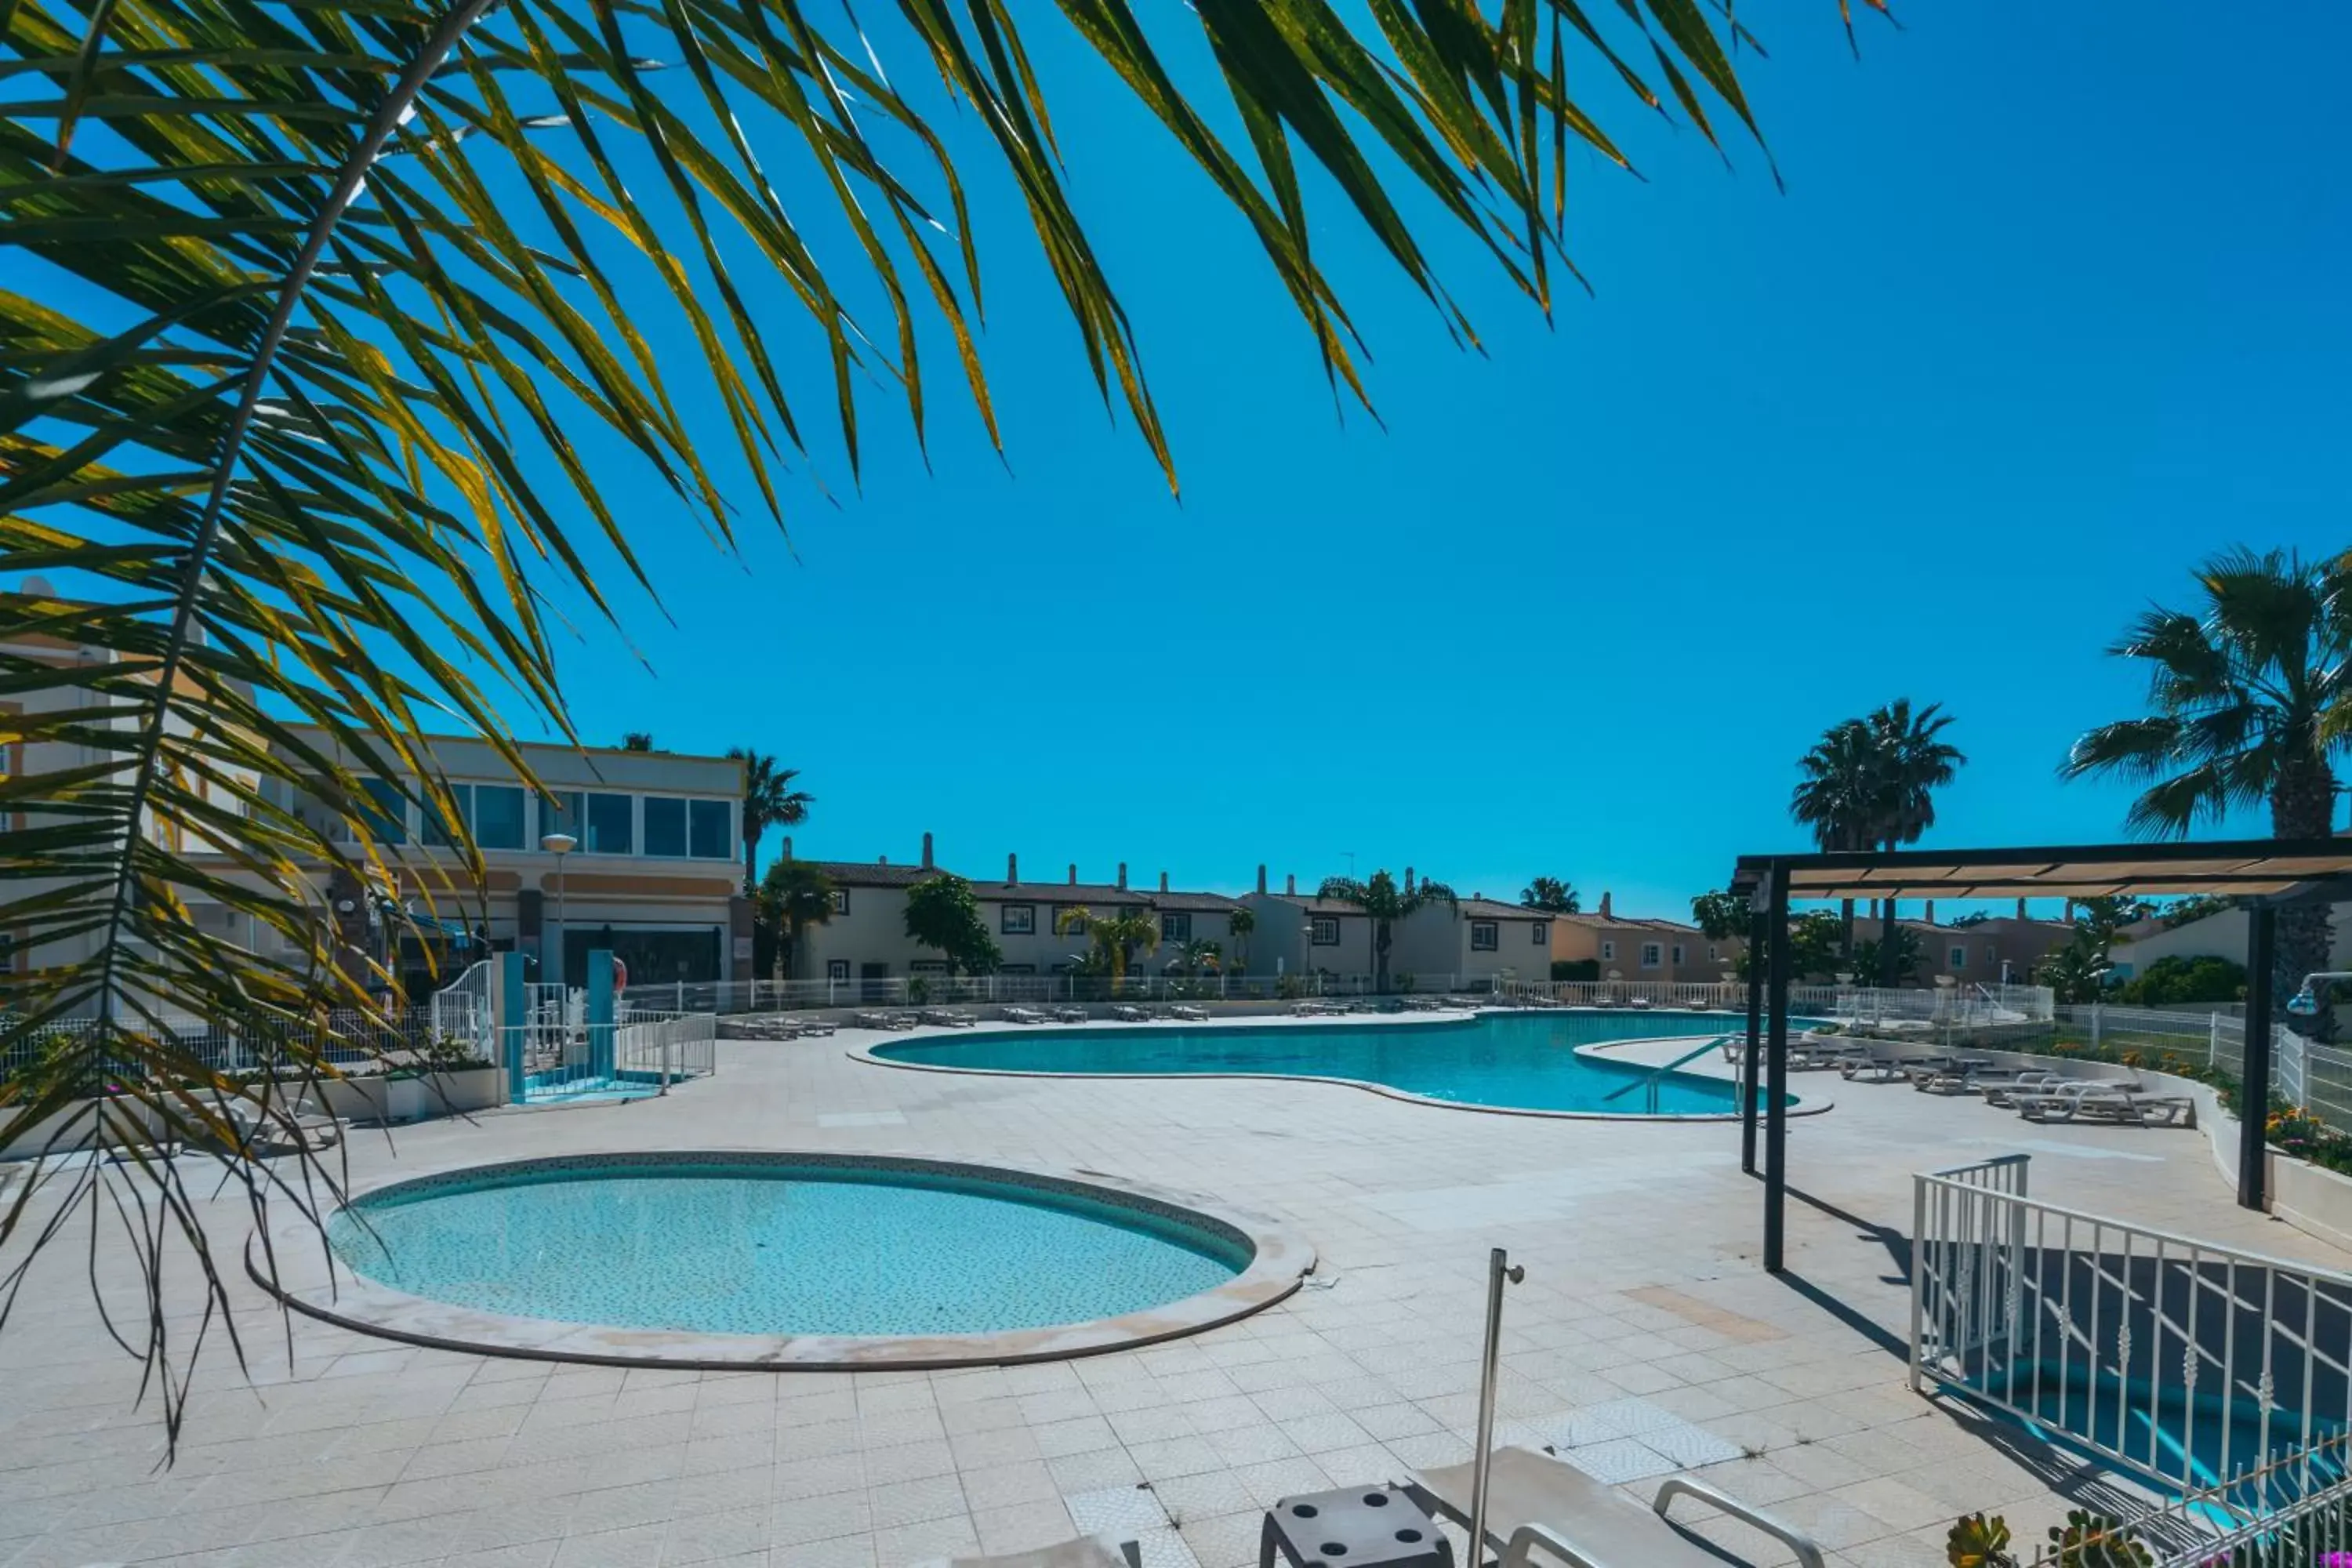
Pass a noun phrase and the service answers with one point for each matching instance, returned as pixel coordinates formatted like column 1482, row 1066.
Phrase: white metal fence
column 2303, row 1072
column 731, row 997
column 667, row 1045
column 2185, row 1361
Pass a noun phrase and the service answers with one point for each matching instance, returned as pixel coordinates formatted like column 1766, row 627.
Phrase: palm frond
column 326, row 329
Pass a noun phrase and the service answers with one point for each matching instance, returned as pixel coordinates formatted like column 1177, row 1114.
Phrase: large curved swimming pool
column 1503, row 1061
column 782, row 1246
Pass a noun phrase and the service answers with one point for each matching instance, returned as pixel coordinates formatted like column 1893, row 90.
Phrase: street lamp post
column 560, row 845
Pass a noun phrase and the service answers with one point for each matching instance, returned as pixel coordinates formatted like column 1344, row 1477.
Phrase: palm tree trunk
column 1887, row 940
column 2302, row 805
column 751, row 857
column 1845, row 915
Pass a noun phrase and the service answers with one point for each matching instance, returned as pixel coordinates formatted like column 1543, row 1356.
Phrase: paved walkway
column 1645, row 1336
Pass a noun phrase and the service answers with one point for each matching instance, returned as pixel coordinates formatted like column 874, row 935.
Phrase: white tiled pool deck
column 1645, row 1338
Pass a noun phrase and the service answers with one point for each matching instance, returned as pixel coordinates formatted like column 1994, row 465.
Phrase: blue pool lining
column 1798, row 1105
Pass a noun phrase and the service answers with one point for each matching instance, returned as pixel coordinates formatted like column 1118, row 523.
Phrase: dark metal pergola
column 2264, row 874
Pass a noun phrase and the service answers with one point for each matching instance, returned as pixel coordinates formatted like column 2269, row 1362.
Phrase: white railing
column 2295, row 1512
column 731, row 997
column 461, row 1009
column 667, row 1045
column 2181, row 1360
column 2302, row 1072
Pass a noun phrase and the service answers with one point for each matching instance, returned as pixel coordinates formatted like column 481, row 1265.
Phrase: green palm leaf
column 324, row 328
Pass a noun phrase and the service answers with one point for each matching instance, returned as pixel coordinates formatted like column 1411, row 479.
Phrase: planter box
column 35, row 1139
column 445, row 1094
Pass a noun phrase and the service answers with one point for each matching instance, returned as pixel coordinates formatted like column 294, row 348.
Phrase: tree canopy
column 943, row 914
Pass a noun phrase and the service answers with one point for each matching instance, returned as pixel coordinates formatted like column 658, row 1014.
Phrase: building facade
column 1610, row 946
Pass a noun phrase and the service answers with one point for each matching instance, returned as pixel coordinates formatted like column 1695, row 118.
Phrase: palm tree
column 794, row 897
column 391, row 294
column 1238, row 926
column 1551, row 895
column 2250, row 710
column 769, row 801
column 1117, row 937
column 1837, row 797
column 1200, row 953
column 1913, row 763
column 1386, row 903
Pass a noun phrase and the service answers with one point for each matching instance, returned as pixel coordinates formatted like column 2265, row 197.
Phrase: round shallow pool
column 1524, row 1061
column 799, row 1259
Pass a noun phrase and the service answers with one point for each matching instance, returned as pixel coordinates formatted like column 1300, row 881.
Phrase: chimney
column 1261, row 876
column 926, row 851
column 1122, row 875
column 1073, row 873
column 1408, row 881
column 788, row 845
column 1012, row 870
column 1290, row 884
column 1163, row 881
column 1931, row 911
column 2021, row 908
column 881, row 859
column 1604, row 904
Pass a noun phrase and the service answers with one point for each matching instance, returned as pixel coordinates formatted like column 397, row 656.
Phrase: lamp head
column 2304, row 1002
column 558, row 843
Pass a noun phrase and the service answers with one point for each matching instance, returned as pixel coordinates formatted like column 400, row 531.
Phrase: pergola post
column 1776, row 1070
column 1757, row 942
column 2254, row 1097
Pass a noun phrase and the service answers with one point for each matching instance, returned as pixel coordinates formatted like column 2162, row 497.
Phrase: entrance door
column 873, row 981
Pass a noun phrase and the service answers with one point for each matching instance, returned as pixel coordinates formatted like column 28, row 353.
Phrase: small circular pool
column 733, row 1258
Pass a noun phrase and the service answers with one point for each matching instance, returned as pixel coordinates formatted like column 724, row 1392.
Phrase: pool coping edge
column 324, row 1287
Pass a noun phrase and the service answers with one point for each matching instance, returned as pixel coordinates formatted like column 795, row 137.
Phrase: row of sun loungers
column 1541, row 1510
column 2037, row 1094
column 776, row 1027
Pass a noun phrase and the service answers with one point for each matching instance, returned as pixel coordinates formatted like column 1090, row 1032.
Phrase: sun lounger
column 1546, row 1510
column 1088, row 1551
column 2107, row 1102
column 289, row 1124
column 816, row 1025
column 1128, row 1012
column 1070, row 1014
column 885, row 1020
column 1191, row 1015
column 1022, row 1015
column 1878, row 1061
column 947, row 1018
column 2031, row 1082
column 1316, row 1009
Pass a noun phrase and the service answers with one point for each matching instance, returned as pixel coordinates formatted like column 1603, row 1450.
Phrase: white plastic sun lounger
column 1128, row 1012
column 1191, row 1015
column 2107, row 1102
column 1022, row 1015
column 1086, row 1551
column 291, row 1122
column 1070, row 1014
column 1545, row 1511
column 947, row 1018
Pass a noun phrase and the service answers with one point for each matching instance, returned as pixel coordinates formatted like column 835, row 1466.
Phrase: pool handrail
column 1653, row 1077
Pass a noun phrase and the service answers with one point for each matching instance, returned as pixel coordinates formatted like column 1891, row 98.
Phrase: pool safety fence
column 2291, row 1511
column 923, row 990
column 2185, row 1363
column 342, row 1038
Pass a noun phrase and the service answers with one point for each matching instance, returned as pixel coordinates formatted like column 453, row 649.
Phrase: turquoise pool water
column 774, row 1247
column 1517, row 1061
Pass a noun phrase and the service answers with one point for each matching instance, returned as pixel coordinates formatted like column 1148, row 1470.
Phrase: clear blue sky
column 2052, row 306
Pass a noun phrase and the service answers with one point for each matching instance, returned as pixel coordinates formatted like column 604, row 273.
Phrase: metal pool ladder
column 1657, row 1076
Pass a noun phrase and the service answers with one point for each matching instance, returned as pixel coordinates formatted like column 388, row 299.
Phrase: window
column 928, row 966
column 612, row 828
column 567, row 813
column 1678, row 954
column 1713, row 953
column 385, row 809
column 497, row 817
column 1067, row 921
column 1608, row 950
column 1650, row 955
column 710, row 830
column 1992, row 957
column 841, row 901
column 1959, row 956
column 1016, row 968
column 1176, row 927
column 1542, row 929
column 1017, row 920
column 436, row 832
column 1486, row 936
column 665, row 827
column 836, row 968
column 1324, row 931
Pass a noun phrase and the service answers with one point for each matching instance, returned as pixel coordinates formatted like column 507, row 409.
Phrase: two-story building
column 1607, row 945
column 1041, row 927
column 634, row 851
column 1477, row 939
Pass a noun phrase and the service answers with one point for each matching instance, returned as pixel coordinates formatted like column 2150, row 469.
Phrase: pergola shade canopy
column 2266, row 872
column 2258, row 867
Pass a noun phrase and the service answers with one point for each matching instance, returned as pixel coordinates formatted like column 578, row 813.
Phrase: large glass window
column 610, row 830
column 710, row 830
column 567, row 813
column 664, row 825
column 497, row 817
column 436, row 831
column 389, row 818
